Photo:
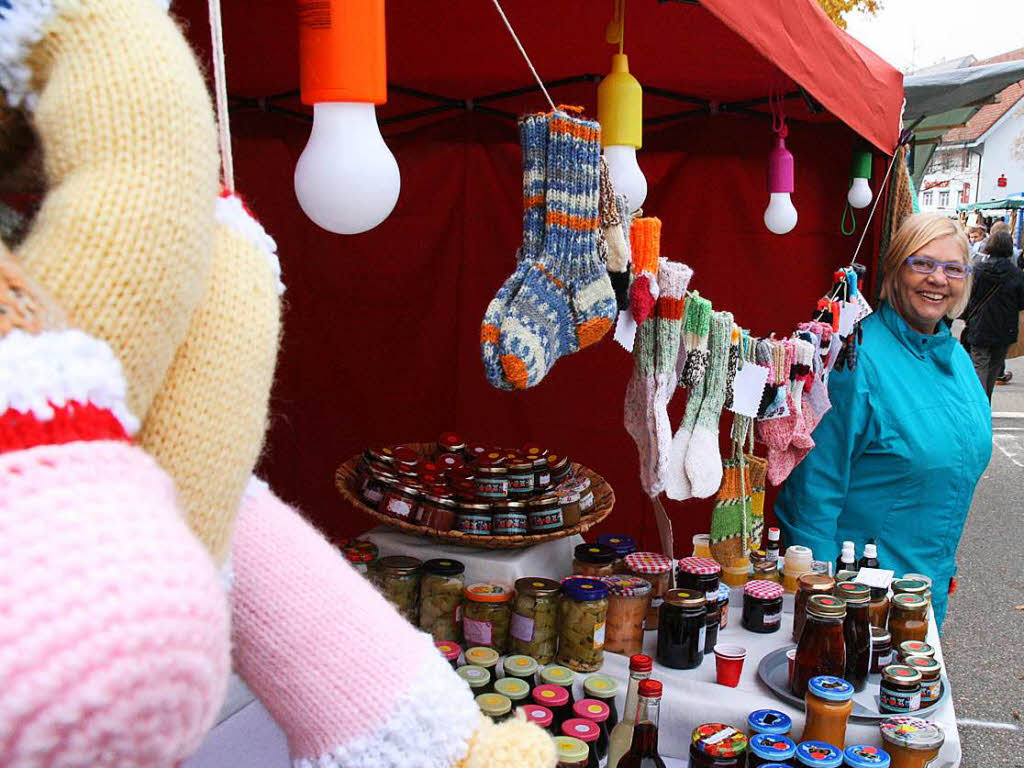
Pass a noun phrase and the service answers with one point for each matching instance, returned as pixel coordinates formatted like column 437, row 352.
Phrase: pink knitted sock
column 350, row 682
column 803, row 375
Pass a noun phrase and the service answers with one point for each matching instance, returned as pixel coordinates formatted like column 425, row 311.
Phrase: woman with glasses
column 909, row 433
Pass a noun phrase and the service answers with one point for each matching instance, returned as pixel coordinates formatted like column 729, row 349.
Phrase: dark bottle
column 848, row 558
column 856, row 632
column 870, row 559
column 822, row 646
column 644, row 751
column 771, row 550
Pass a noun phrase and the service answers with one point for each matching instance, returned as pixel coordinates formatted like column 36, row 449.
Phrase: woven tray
column 604, row 500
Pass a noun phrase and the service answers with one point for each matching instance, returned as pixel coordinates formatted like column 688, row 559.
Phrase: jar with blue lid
column 769, row 749
column 818, row 754
column 828, row 703
column 769, row 721
column 622, row 545
column 865, row 756
column 582, row 616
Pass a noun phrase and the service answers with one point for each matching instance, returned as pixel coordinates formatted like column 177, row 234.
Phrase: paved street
column 983, row 637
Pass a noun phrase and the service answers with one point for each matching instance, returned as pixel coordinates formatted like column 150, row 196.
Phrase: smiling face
column 923, row 300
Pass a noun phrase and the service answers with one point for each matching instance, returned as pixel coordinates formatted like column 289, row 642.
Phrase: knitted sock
column 731, row 503
column 816, row 393
column 349, row 681
column 703, row 457
column 777, row 431
column 639, row 402
column 533, row 142
column 758, row 472
column 593, row 297
column 696, row 327
column 801, row 377
column 565, row 298
column 645, row 242
column 615, row 230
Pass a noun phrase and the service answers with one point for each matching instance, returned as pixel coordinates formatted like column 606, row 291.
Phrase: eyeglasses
column 926, row 266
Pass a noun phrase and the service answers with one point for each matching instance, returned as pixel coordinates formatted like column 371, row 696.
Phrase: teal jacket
column 897, row 457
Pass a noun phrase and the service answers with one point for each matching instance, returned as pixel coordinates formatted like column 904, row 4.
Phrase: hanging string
column 522, row 51
column 622, row 25
column 220, row 89
column 777, row 105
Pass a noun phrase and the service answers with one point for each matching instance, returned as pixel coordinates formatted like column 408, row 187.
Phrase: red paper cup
column 791, row 658
column 729, row 664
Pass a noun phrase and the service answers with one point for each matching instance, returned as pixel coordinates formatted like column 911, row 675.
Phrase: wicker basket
column 604, row 500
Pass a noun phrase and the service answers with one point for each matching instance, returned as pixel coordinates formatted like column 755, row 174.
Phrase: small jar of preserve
column 400, row 501
column 571, row 752
column 544, row 514
column 474, row 518
column 881, row 650
column 538, row 715
column 559, row 468
column 819, row 754
column 509, row 518
column 588, row 733
column 915, row 648
column 596, row 712
column 906, row 586
column 900, row 691
column 522, row 667
column 450, row 442
column 822, row 646
column 622, row 546
column 520, row 478
column 807, row 585
column 857, row 631
column 931, row 677
column 910, row 741
column 712, row 623
column 928, row 584
column 724, row 594
column 828, row 703
column 495, row 706
column 700, row 573
column 769, row 749
column 437, row 512
column 582, row 616
column 450, row 650
column 556, row 699
column 486, row 615
column 865, row 756
column 475, row 450
column 569, row 501
column 762, row 606
column 592, row 560
column 556, row 674
column 486, row 659
column 629, row 597
column 770, row 721
column 681, row 629
column 361, row 554
column 398, row 579
column 374, row 484
column 534, row 628
column 447, row 462
column 908, row 619
column 604, row 688
column 476, row 678
column 518, row 691
column 657, row 569
column 878, row 609
column 491, row 476
column 541, row 474
column 717, row 745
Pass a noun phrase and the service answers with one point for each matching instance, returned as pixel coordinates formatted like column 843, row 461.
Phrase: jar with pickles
column 486, row 615
column 398, row 579
column 582, row 617
column 441, row 588
column 622, row 545
column 534, row 625
column 629, row 597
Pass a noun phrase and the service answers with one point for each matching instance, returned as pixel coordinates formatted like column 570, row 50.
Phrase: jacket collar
column 938, row 346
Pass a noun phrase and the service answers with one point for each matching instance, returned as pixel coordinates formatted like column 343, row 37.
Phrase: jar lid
column 648, row 562
column 486, row 466
column 477, row 677
column 405, row 455
column 553, row 674
column 557, row 463
column 718, row 740
column 911, row 733
column 494, row 704
column 879, row 635
column 926, row 665
column 535, row 713
column 852, row 592
column 919, row 577
column 477, row 449
column 481, row 656
column 380, row 455
column 451, row 441
column 399, row 564
column 545, row 503
column 819, row 754
column 534, row 449
column 909, row 602
column 584, row 588
column 520, row 665
column 476, row 507
column 443, row 567
column 830, row 688
column 845, row 575
column 909, row 586
column 700, row 566
column 449, row 649
column 551, row 695
column 685, row 598
column 622, row 545
column 826, row 606
column 595, row 554
column 484, row 592
column 450, row 461
column 520, row 464
column 640, row 662
column 724, row 593
column 773, row 747
column 592, row 709
column 900, row 673
column 361, row 551
column 769, row 721
column 581, row 729
column 866, row 756
column 513, row 687
column 627, row 586
column 518, row 507
column 570, row 750
column 601, row 686
column 916, row 648
column 763, row 590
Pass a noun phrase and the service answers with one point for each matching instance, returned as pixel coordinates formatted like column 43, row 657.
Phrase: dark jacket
column 993, row 323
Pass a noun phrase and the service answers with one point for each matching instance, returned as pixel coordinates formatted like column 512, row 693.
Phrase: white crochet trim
column 21, row 27
column 430, row 725
column 231, row 213
column 55, row 367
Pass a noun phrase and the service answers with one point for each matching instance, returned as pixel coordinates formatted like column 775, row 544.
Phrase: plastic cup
column 791, row 658
column 729, row 664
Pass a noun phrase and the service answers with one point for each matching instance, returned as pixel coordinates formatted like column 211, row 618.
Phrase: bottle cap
column 773, row 534
column 550, row 695
column 649, row 689
column 482, row 656
column 512, row 687
column 641, row 663
column 476, row 677
column 819, row 754
column 570, row 750
column 557, row 675
column 866, row 756
column 494, row 704
column 772, row 747
column 449, row 649
column 519, row 665
column 581, row 729
column 600, row 686
column 870, row 551
column 769, row 721
column 535, row 713
column 830, row 688
column 592, row 709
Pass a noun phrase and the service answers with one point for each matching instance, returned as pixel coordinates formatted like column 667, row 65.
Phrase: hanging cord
column 220, row 89
column 521, row 50
column 777, row 105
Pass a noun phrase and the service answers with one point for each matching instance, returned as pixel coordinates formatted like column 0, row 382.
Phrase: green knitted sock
column 703, row 457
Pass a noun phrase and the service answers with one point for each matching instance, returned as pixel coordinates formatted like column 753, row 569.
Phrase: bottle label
column 399, row 507
column 899, row 701
column 771, row 619
column 599, row 636
column 477, row 632
column 657, row 601
column 931, row 691
column 885, row 659
column 522, row 628
column 772, row 555
column 702, row 637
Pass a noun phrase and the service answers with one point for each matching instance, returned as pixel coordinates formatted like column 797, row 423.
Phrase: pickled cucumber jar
column 441, row 590
column 398, row 579
column 582, row 615
column 534, row 628
column 486, row 614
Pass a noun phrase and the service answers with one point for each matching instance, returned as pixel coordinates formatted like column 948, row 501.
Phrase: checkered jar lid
column 648, row 562
column 702, row 566
column 763, row 590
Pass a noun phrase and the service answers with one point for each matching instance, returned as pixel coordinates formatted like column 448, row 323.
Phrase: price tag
column 625, row 330
column 848, row 316
column 879, row 578
column 748, row 389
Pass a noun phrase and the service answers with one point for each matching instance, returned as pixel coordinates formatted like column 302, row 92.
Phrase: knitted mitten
column 645, row 245
column 703, row 457
column 696, row 327
column 350, row 682
column 758, row 471
column 727, row 523
column 533, row 141
column 615, row 232
column 639, row 403
column 565, row 301
column 113, row 623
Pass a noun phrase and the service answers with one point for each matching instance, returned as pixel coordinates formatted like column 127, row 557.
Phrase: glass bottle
column 640, row 667
column 908, row 618
column 848, row 558
column 878, row 610
column 870, row 559
column 807, row 585
column 857, row 632
column 771, row 550
column 605, row 689
column 822, row 646
column 643, row 752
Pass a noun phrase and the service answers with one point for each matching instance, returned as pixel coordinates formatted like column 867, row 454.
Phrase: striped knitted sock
column 645, row 239
column 731, row 504
column 593, row 298
column 703, row 457
column 533, row 140
column 758, row 469
column 560, row 301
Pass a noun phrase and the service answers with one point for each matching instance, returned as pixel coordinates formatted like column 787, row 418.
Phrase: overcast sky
column 911, row 34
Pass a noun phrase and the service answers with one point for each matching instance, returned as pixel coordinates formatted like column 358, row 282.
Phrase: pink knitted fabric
column 350, row 682
column 113, row 623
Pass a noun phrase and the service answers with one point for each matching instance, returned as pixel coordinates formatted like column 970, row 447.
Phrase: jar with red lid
column 476, row 450
column 400, row 502
column 520, row 477
column 700, row 573
column 474, row 519
column 450, row 650
column 450, row 442
column 447, row 462
column 544, row 514
column 559, row 467
column 588, row 733
column 437, row 511
column 361, row 554
column 491, row 476
column 762, row 606
column 597, row 712
column 717, row 745
column 406, row 458
column 657, row 569
column 881, row 650
column 538, row 715
column 556, row 699
column 509, row 518
column 931, row 677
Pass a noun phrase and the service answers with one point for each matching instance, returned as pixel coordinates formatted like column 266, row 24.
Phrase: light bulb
column 346, row 180
column 627, row 178
column 780, row 215
column 860, row 194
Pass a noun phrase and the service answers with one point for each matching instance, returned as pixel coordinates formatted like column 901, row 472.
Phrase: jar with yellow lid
column 486, row 615
column 523, row 668
column 495, row 706
column 486, row 659
column 570, row 752
column 515, row 689
column 534, row 627
column 476, row 678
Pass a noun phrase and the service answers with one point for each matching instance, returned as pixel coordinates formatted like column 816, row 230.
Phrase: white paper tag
column 848, row 316
column 625, row 330
column 722, row 735
column 863, row 308
column 748, row 389
column 522, row 628
column 599, row 636
column 879, row 578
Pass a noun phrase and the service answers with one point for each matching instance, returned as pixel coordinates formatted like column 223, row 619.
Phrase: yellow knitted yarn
column 512, row 744
column 125, row 234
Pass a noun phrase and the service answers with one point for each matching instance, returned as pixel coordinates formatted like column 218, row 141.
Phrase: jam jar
column 857, row 631
column 769, row 721
column 447, row 462
column 522, row 668
column 622, row 546
column 717, row 745
column 604, row 688
column 559, row 468
column 486, row 659
column 509, row 518
column 486, row 615
column 400, row 501
column 629, row 597
column 398, row 579
column 518, row 691
column 437, row 511
column 373, row 484
column 807, row 585
column 724, row 594
column 762, row 606
column 441, row 587
column 541, row 473
column 496, row 706
column 712, row 623
column 881, row 650
column 544, row 514
column 555, row 698
column 581, row 624
column 910, row 587
column 593, row 560
column 450, row 442
column 828, row 703
column 534, row 628
column 451, row 652
column 878, row 610
column 657, row 569
column 910, row 741
column 769, row 749
column 538, row 715
column 681, row 629
column 491, row 476
column 571, row 752
column 588, row 733
column 822, row 647
column 361, row 554
column 700, row 573
column 915, row 648
column 474, row 518
column 596, row 712
column 476, row 678
column 900, row 691
column 555, row 674
column 819, row 754
column 520, row 477
column 931, row 677
column 908, row 618
column 865, row 756
column 569, row 501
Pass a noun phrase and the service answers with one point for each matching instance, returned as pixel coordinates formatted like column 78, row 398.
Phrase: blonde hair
column 916, row 231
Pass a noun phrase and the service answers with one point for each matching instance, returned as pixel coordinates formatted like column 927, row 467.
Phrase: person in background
column 1004, row 377
column 976, row 236
column 992, row 313
column 909, row 434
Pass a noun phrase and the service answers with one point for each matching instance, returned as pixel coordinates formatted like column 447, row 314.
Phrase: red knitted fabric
column 70, row 423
